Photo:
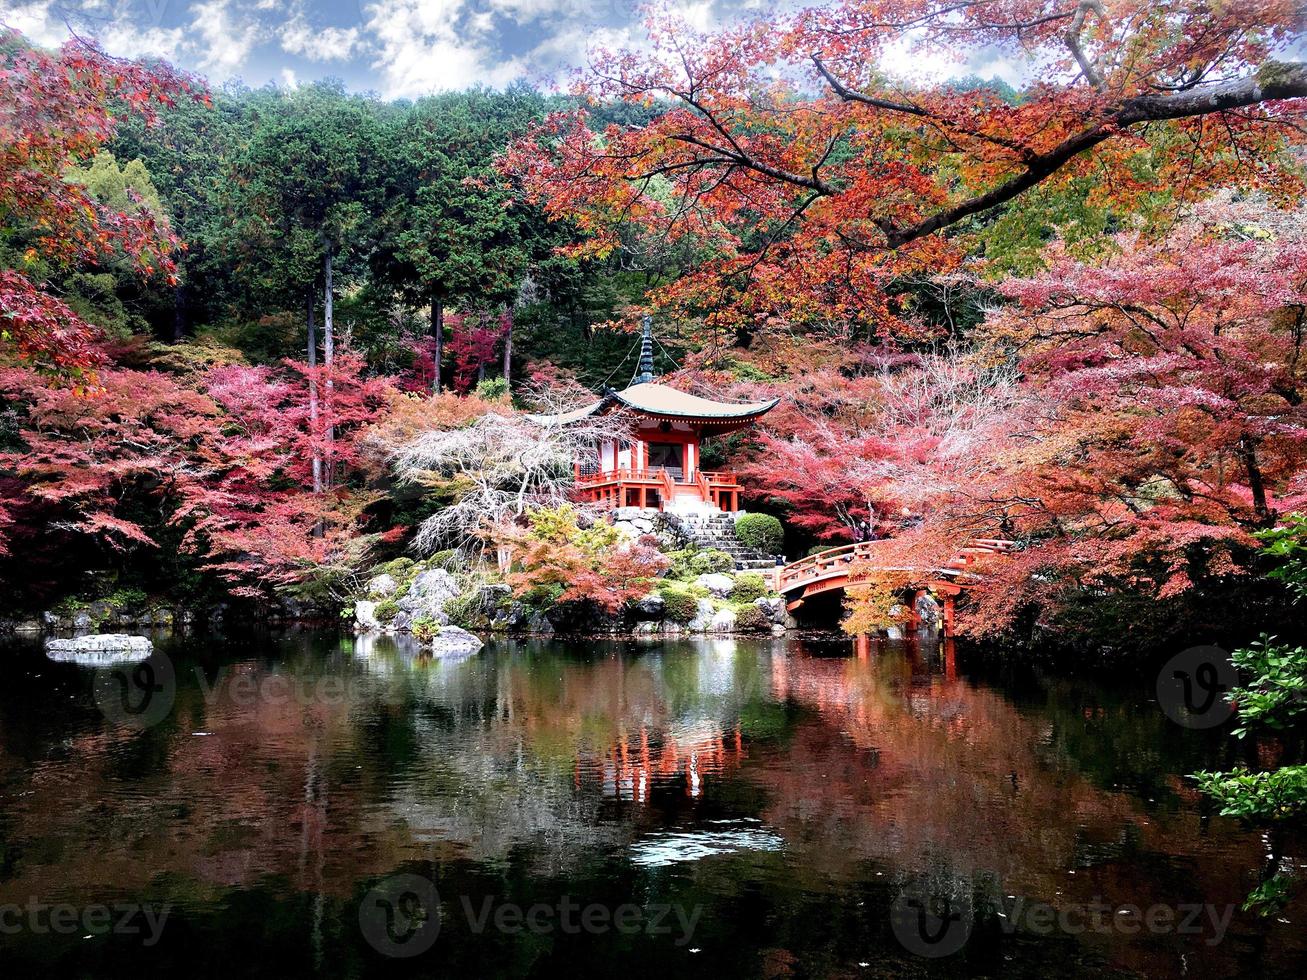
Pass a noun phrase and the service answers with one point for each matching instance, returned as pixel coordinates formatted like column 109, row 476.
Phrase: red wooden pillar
column 948, row 615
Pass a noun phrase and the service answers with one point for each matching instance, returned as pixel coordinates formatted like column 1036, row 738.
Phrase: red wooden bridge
column 839, row 568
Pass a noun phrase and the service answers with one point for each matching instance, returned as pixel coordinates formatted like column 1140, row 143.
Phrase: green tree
column 454, row 233
column 305, row 189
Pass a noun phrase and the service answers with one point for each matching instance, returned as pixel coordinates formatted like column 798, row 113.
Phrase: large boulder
column 724, row 621
column 651, row 608
column 703, row 617
column 102, row 647
column 509, row 617
column 716, row 583
column 427, row 596
column 365, row 615
column 454, row 641
column 540, row 625
column 773, row 607
column 380, row 586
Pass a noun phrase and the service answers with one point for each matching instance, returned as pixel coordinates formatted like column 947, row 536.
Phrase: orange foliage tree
column 56, row 112
column 818, row 181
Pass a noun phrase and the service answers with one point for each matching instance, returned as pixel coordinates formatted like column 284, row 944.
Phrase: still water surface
column 704, row 808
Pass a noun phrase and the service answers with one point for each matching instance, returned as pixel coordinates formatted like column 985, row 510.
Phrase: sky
column 396, row 48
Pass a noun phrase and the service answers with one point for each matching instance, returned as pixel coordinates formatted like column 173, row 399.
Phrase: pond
column 315, row 804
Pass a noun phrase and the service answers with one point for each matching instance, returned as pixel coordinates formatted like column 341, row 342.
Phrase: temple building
column 657, row 466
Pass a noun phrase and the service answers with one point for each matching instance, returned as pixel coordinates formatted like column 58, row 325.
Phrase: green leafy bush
column 386, row 611
column 398, row 569
column 463, row 610
column 680, row 601
column 1257, row 795
column 749, row 586
column 689, row 564
column 492, row 388
column 451, row 559
column 1276, row 693
column 761, row 532
column 751, row 619
column 128, row 598
column 425, row 629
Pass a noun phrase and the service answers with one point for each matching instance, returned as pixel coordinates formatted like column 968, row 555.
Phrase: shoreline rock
column 100, row 648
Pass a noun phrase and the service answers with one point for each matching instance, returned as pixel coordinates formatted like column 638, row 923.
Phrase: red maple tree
column 816, row 180
column 56, row 111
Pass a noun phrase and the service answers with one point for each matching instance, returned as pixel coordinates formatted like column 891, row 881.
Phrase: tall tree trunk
column 1248, row 453
column 508, row 355
column 329, row 360
column 437, row 334
column 313, row 396
column 179, row 312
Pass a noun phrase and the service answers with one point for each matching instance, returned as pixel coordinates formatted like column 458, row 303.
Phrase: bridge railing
column 834, row 562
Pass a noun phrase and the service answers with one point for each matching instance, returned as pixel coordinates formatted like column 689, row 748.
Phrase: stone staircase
column 717, row 531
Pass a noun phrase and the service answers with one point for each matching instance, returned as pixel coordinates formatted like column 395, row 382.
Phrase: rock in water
column 98, row 649
column 715, row 582
column 454, row 641
column 427, row 596
column 773, row 607
column 365, row 615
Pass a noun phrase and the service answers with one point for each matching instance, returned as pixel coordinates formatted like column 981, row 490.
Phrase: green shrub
column 386, row 611
column 751, row 619
column 749, row 586
column 425, row 629
column 716, row 561
column 128, row 599
column 492, row 388
column 761, row 532
column 451, row 560
column 463, row 610
column 817, row 549
column 689, row 564
column 397, row 569
column 680, row 601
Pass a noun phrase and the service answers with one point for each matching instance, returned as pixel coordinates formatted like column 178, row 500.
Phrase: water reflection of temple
column 836, row 760
column 641, row 759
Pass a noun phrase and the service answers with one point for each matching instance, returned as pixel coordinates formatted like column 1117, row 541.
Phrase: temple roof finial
column 645, row 373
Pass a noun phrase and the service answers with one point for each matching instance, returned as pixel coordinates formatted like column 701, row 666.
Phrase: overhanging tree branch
column 1274, row 81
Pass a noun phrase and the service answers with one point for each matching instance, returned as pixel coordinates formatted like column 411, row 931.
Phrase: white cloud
column 425, row 46
column 299, row 37
column 39, row 22
column 225, row 36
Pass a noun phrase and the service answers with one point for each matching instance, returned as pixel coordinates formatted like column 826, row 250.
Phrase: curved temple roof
column 648, row 398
